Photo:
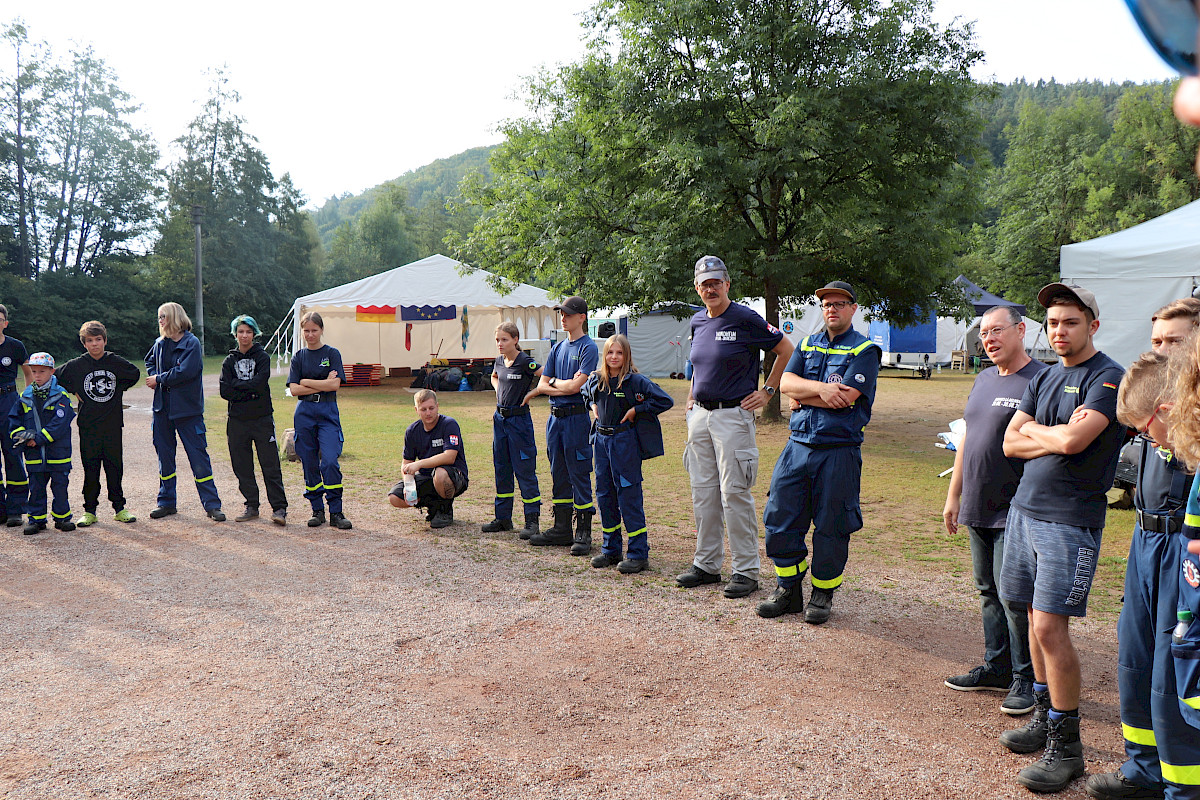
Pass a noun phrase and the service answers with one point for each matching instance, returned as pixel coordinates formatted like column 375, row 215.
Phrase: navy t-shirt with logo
column 990, row 478
column 515, row 381
column 567, row 358
column 420, row 443
column 12, row 356
column 316, row 365
column 1070, row 489
column 725, row 353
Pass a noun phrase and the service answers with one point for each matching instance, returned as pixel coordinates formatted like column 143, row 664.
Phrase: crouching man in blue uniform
column 40, row 424
column 831, row 380
column 434, row 457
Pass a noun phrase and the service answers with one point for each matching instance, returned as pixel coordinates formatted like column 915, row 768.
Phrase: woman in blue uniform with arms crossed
column 314, row 379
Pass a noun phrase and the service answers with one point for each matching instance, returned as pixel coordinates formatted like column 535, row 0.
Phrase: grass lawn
column 903, row 538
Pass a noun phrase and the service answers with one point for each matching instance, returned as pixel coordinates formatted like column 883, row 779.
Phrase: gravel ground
column 181, row 658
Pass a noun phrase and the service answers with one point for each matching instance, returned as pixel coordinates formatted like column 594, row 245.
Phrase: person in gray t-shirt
column 983, row 483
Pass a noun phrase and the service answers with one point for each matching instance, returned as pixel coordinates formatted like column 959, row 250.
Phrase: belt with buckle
column 1158, row 523
column 713, row 405
column 311, row 398
column 567, row 411
column 518, row 411
column 605, row 430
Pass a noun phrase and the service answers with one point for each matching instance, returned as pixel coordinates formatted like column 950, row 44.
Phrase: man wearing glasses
column 831, row 381
column 981, row 487
column 1067, row 431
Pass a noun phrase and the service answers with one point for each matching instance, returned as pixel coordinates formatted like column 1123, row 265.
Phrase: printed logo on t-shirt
column 512, row 376
column 453, row 440
column 533, row 365
column 324, row 362
column 1070, row 390
column 60, row 413
column 1191, row 574
column 100, row 386
column 726, row 336
column 860, row 378
column 6, row 361
column 834, row 378
column 243, row 369
column 1006, row 402
column 437, row 443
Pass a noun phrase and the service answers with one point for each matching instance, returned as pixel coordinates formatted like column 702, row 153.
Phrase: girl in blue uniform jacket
column 175, row 370
column 619, row 396
column 40, row 427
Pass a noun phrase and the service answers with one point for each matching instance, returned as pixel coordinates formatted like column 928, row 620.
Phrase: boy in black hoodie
column 99, row 379
column 251, row 425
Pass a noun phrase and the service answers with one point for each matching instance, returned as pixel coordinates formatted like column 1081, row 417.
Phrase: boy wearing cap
column 1067, row 431
column 251, row 424
column 831, row 381
column 15, row 488
column 40, row 424
column 567, row 431
column 99, row 379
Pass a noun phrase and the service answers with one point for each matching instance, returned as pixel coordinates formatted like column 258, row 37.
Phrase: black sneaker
column 983, row 679
column 603, row 560
column 740, row 586
column 631, row 566
column 497, row 525
column 819, row 606
column 441, row 520
column 1031, row 737
column 162, row 511
column 216, row 515
column 1115, row 786
column 1020, row 697
column 784, row 600
column 317, row 519
column 697, row 577
column 338, row 520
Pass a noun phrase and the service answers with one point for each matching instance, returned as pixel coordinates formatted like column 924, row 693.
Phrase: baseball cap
column 1052, row 290
column 41, row 360
column 709, row 267
column 837, row 286
column 573, row 305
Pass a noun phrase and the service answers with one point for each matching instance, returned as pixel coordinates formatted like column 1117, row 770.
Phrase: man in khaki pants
column 721, row 455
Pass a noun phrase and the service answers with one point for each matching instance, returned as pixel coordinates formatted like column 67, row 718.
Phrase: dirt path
column 185, row 659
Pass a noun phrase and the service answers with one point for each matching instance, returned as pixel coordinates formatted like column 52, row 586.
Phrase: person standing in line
column 16, row 482
column 514, row 448
column 721, row 455
column 623, row 401
column 831, row 376
column 41, row 425
column 100, row 379
column 314, row 378
column 981, row 488
column 1067, row 432
column 175, row 371
column 245, row 376
column 567, row 431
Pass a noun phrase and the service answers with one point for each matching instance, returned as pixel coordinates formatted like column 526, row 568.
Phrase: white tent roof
column 432, row 281
column 1135, row 272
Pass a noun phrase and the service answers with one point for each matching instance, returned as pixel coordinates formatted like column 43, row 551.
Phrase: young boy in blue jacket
column 40, row 424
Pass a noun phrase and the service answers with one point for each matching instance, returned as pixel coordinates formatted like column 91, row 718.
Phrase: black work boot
column 497, row 525
column 819, row 606
column 560, row 534
column 1115, row 786
column 532, row 528
column 1031, row 737
column 583, row 534
column 784, row 600
column 1061, row 763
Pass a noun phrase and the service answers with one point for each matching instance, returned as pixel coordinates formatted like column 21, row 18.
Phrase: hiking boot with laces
column 1115, row 786
column 1061, row 763
column 1020, row 697
column 1031, row 737
column 983, row 679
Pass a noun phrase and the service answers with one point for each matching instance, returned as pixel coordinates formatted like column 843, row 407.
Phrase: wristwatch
column 770, row 390
column 553, row 382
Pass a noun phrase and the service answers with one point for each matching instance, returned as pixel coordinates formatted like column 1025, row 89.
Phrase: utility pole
column 198, row 322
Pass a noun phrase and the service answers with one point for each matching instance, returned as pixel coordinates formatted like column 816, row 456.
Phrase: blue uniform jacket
column 639, row 393
column 850, row 358
column 179, row 368
column 53, row 437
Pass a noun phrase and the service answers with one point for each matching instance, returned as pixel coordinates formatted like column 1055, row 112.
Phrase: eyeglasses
column 1171, row 27
column 1146, row 430
column 985, row 333
column 838, row 304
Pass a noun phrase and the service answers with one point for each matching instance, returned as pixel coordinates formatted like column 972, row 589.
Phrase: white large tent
column 1135, row 272
column 363, row 319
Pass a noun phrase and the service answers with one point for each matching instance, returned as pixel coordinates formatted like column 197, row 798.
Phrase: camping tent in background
column 983, row 300
column 1135, row 272
column 402, row 317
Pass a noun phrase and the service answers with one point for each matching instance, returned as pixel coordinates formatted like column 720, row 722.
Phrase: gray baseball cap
column 709, row 267
column 1052, row 290
column 837, row 286
column 573, row 305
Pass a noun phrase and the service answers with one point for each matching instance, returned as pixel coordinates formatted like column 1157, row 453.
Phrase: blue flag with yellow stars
column 427, row 313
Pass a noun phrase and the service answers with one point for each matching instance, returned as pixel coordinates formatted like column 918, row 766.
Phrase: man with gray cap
column 831, row 381
column 1066, row 429
column 567, row 430
column 721, row 455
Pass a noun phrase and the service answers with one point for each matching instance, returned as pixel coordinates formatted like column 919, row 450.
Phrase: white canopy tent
column 1135, row 272
column 380, row 336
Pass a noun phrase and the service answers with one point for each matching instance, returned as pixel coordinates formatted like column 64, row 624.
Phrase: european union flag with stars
column 427, row 313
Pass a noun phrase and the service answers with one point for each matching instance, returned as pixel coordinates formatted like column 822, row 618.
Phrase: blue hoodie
column 52, row 452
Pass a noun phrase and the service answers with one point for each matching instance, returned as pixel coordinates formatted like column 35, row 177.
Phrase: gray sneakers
column 1020, row 697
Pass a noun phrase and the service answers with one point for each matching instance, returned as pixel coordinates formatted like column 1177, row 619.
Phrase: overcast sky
column 347, row 94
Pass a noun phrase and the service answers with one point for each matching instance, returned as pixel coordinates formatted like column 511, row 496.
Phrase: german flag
column 375, row 313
